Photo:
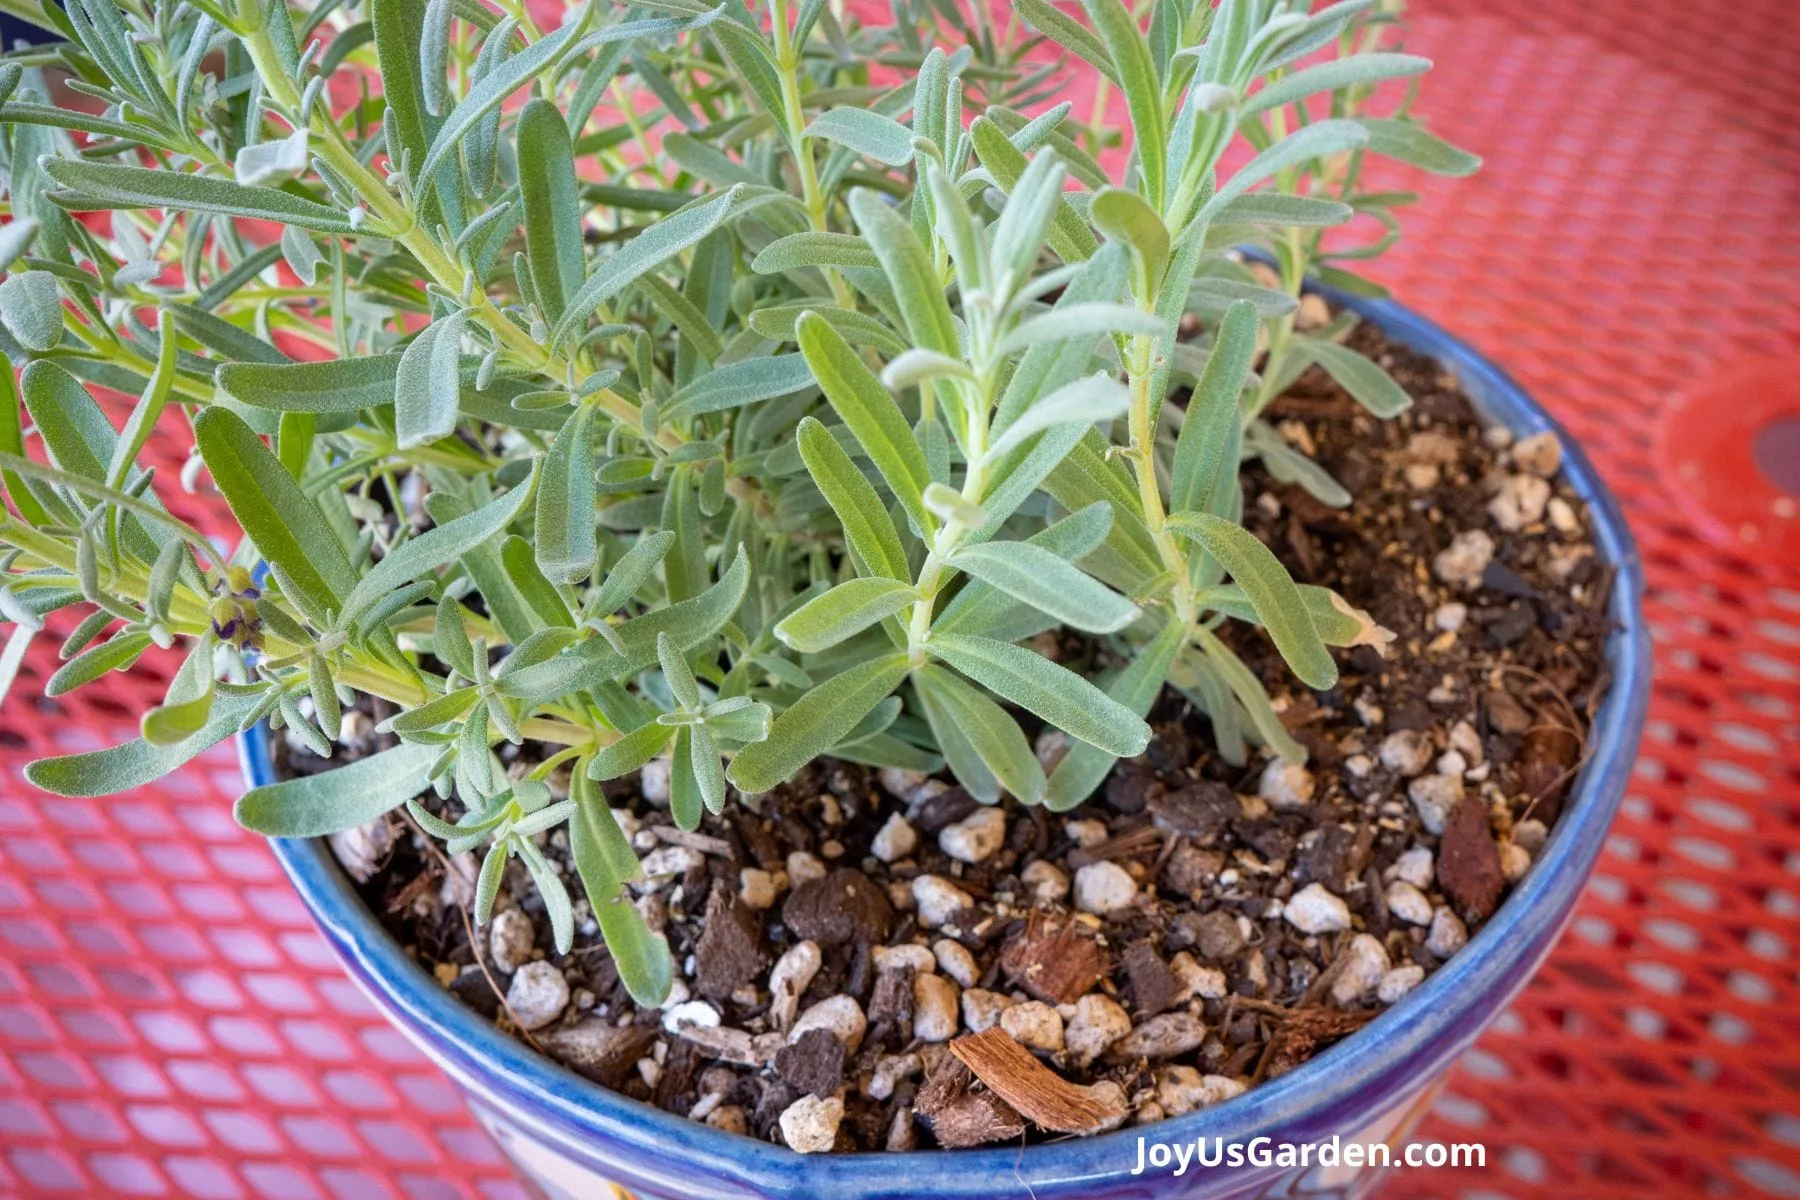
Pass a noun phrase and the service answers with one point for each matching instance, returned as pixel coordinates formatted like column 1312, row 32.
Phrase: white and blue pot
column 574, row 1138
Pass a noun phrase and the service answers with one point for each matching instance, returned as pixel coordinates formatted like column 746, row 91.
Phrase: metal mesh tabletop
column 170, row 1025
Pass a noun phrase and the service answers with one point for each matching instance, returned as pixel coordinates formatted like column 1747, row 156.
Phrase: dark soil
column 1454, row 751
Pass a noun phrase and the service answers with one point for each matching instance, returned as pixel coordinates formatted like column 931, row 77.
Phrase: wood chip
column 1058, row 962
column 1037, row 1092
column 717, row 847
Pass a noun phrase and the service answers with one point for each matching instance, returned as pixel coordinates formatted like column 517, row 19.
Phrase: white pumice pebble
column 1286, row 786
column 1399, row 981
column 934, row 1008
column 1366, row 963
column 1314, row 909
column 1034, row 1025
column 1416, row 867
column 803, row 867
column 938, row 900
column 1182, row 1090
column 1208, row 983
column 894, row 840
column 653, row 781
column 1465, row 741
column 1099, row 1021
column 1407, row 903
column 1103, row 888
column 1407, row 752
column 671, row 860
column 1515, row 861
column 901, row 784
column 810, row 1125
column 1463, row 561
column 1358, row 766
column 1530, row 833
column 1520, row 502
column 915, row 958
column 1449, row 617
column 690, row 1013
column 1452, row 762
column 954, row 960
column 974, row 838
column 981, row 1008
column 1447, row 934
column 1434, row 796
column 840, row 1015
column 757, row 888
column 791, row 975
column 511, row 940
column 538, row 995
column 889, row 1070
column 1086, row 833
column 1541, row 454
column 1048, row 882
column 1563, row 518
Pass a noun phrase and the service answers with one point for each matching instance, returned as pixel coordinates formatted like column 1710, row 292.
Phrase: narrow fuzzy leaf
column 96, row 185
column 909, row 271
column 1056, row 694
column 1371, row 386
column 31, row 309
column 328, row 386
column 353, row 794
column 1415, row 146
column 816, row 722
column 553, row 206
column 1083, row 402
column 428, row 383
column 1271, row 591
column 1048, row 583
column 1084, row 768
column 1213, row 412
column 847, row 609
column 993, row 735
column 873, row 541
column 868, row 133
column 565, row 542
column 133, row 764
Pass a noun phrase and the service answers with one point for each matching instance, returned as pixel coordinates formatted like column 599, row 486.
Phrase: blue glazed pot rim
column 1360, row 1078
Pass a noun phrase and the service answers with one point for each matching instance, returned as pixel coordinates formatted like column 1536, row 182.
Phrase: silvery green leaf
column 116, row 654
column 781, row 323
column 739, row 719
column 283, row 523
column 986, row 730
column 913, row 367
column 566, row 548
column 1130, row 54
column 1070, row 34
column 1330, row 76
column 1031, row 205
column 909, row 272
column 709, row 772
column 1047, row 582
column 555, row 895
column 487, row 884
column 31, row 309
column 846, row 610
column 873, row 542
column 272, row 162
column 1274, row 208
column 95, row 185
column 1084, row 768
column 1252, row 697
column 434, row 55
column 326, row 386
column 868, row 133
column 451, row 638
column 630, row 752
column 686, row 800
column 1317, row 140
column 740, row 383
column 1089, row 322
column 500, row 83
column 428, row 383
column 434, row 548
column 131, row 765
column 1056, row 694
column 869, row 411
column 1288, row 465
column 814, row 249
column 642, row 957
column 1083, row 402
column 301, row 254
column 627, row 575
column 1213, row 413
column 553, row 206
column 1069, row 235
column 1412, row 144
column 1212, row 295
column 645, row 252
column 351, row 795
column 947, row 504
column 1371, row 386
column 1270, row 589
column 15, row 239
column 816, row 722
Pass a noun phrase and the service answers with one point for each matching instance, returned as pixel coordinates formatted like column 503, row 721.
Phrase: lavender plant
column 672, row 382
